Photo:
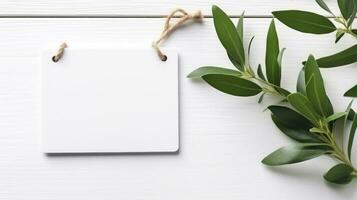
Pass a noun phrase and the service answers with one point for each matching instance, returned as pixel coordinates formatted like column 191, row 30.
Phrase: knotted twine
column 59, row 52
column 169, row 28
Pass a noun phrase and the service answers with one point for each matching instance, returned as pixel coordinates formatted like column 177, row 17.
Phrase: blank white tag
column 110, row 100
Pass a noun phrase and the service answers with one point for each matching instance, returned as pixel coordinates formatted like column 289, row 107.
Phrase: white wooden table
column 223, row 138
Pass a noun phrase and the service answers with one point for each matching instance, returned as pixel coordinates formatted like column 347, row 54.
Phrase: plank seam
column 114, row 16
column 121, row 16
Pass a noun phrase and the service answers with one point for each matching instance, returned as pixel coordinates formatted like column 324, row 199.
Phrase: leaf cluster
column 307, row 115
column 309, row 22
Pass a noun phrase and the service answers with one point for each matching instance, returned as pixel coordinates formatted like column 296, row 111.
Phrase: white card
column 110, row 100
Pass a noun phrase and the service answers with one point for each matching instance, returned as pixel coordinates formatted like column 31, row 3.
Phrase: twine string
column 58, row 55
column 169, row 28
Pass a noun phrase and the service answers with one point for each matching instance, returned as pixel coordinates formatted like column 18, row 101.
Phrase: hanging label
column 110, row 100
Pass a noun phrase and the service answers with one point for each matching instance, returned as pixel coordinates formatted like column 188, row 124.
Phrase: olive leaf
column 304, row 21
column 348, row 118
column 292, row 124
column 273, row 70
column 315, row 89
column 295, row 153
column 226, row 80
column 346, row 8
column 261, row 97
column 323, row 5
column 280, row 57
column 202, row 71
column 300, row 85
column 308, row 115
column 344, row 57
column 351, row 92
column 229, row 37
column 281, row 91
column 240, row 26
column 352, row 135
column 339, row 174
column 232, row 84
column 350, row 114
column 304, row 107
column 339, row 35
column 353, row 15
column 249, row 46
column 335, row 116
column 317, row 97
column 260, row 72
column 235, row 63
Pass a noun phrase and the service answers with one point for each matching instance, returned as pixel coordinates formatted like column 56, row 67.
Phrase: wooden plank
column 115, row 8
column 223, row 138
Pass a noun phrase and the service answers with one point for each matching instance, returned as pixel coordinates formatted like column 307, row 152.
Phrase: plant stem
column 338, row 153
column 352, row 33
column 347, row 29
column 326, row 134
column 267, row 87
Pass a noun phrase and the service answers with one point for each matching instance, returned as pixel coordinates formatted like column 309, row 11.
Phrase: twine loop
column 169, row 28
column 58, row 55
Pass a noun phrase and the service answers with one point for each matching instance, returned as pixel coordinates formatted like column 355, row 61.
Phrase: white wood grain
column 149, row 7
column 223, row 138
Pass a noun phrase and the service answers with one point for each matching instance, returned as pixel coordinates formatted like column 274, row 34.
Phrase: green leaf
column 352, row 135
column 235, row 63
column 260, row 73
column 351, row 92
column 202, row 71
column 304, row 107
column 323, row 5
column 295, row 153
column 344, row 57
column 351, row 113
column 306, row 22
column 280, row 57
column 250, row 44
column 229, row 37
column 318, row 98
column 261, row 98
column 240, row 26
column 335, row 116
column 354, row 31
column 300, row 85
column 273, row 70
column 350, row 116
column 316, row 130
column 292, row 124
column 346, row 8
column 353, row 15
column 315, row 89
column 281, row 91
column 339, row 35
column 232, row 85
column 339, row 174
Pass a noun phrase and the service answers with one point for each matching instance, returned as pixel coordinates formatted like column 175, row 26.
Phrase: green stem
column 337, row 151
column 267, row 87
column 352, row 33
column 326, row 134
column 347, row 29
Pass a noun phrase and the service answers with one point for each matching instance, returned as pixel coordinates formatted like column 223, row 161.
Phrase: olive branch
column 307, row 115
